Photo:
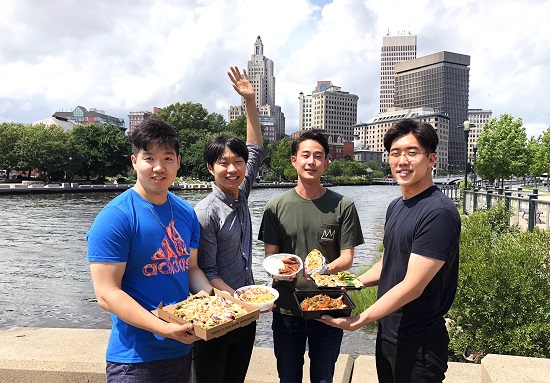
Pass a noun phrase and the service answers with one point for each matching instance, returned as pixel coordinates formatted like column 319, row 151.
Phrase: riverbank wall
column 72, row 187
column 56, row 355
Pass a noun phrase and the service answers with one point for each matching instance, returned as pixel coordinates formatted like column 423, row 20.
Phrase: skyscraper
column 395, row 49
column 261, row 76
column 439, row 81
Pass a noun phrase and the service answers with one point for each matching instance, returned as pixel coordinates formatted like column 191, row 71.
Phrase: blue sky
column 130, row 55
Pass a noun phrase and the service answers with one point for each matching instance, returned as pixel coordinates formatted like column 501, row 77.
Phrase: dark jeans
column 413, row 363
column 290, row 334
column 224, row 359
column 175, row 370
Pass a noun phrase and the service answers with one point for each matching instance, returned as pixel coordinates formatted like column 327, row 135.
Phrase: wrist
column 250, row 99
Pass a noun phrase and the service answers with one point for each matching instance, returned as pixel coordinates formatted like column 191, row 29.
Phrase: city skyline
column 147, row 54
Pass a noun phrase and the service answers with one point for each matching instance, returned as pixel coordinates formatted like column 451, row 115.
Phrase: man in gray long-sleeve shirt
column 225, row 248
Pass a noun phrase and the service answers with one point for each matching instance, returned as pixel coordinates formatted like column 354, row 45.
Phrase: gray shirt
column 225, row 249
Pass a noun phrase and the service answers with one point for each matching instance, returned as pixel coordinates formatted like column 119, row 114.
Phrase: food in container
column 315, row 262
column 259, row 296
column 343, row 279
column 314, row 304
column 208, row 310
column 283, row 266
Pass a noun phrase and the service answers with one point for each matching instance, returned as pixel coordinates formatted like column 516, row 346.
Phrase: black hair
column 216, row 148
column 422, row 131
column 154, row 132
column 313, row 134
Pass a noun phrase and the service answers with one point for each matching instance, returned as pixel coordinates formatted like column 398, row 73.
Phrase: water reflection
column 45, row 281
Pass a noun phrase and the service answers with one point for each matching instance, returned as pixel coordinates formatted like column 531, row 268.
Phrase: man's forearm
column 253, row 127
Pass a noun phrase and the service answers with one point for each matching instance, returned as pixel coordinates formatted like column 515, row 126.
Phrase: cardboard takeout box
column 167, row 313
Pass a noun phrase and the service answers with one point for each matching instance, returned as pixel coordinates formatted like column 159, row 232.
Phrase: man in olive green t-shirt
column 305, row 218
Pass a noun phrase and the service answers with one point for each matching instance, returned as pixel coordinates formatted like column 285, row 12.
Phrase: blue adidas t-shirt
column 157, row 260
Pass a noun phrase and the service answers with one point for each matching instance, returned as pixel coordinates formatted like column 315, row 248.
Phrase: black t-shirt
column 427, row 224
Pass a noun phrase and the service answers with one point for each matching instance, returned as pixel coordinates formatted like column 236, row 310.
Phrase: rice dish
column 273, row 266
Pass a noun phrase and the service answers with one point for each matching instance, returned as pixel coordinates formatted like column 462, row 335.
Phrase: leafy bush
column 502, row 304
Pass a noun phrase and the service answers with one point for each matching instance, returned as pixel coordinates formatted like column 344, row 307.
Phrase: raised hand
column 241, row 83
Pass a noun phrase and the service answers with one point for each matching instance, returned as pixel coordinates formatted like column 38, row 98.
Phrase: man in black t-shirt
column 418, row 272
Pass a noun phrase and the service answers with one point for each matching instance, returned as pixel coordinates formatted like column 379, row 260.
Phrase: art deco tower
column 261, row 76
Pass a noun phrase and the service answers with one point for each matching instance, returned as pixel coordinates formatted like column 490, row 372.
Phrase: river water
column 45, row 279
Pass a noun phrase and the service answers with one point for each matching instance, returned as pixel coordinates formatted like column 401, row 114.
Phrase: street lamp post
column 466, row 134
column 474, row 164
column 70, row 168
column 475, row 176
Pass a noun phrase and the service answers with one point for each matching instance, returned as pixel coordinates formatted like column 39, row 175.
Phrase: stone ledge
column 57, row 355
column 517, row 369
column 365, row 366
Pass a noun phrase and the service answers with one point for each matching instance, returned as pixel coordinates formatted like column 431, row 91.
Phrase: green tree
column 372, row 165
column 10, row 133
column 216, row 123
column 237, row 127
column 347, row 168
column 189, row 119
column 280, row 159
column 541, row 155
column 355, row 169
column 502, row 149
column 99, row 150
column 196, row 127
column 335, row 169
column 42, row 148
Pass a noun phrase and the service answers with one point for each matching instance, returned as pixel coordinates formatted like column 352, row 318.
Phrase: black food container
column 336, row 313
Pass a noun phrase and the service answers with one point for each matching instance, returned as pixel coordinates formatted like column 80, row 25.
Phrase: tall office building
column 261, row 76
column 329, row 108
column 479, row 118
column 439, row 81
column 305, row 115
column 395, row 49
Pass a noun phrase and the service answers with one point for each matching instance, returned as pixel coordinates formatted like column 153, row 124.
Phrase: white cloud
column 133, row 55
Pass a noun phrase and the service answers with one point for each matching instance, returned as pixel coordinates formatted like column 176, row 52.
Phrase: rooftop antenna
column 388, row 31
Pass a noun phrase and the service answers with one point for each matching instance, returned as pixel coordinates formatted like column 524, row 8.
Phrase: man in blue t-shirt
column 142, row 249
column 418, row 272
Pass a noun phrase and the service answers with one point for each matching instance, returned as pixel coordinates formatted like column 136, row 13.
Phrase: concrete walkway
column 59, row 355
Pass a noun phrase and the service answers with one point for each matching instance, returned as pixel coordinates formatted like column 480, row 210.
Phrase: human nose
column 158, row 166
column 231, row 168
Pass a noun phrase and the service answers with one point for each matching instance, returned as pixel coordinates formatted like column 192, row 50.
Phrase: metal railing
column 528, row 210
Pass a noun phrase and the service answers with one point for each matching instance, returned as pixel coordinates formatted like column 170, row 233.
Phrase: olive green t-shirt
column 297, row 225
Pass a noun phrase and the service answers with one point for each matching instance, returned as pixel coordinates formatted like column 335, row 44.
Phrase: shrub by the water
column 502, row 304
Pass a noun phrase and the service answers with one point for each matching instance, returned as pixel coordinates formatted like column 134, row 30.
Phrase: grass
column 363, row 298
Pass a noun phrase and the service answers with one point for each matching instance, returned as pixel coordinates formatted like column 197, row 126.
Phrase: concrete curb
column 63, row 355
